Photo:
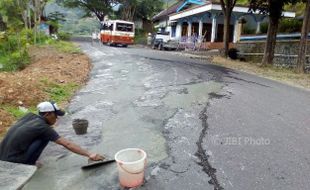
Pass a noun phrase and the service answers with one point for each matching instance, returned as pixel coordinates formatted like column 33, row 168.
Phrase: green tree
column 100, row 8
column 274, row 9
column 152, row 8
column 132, row 9
column 19, row 14
column 301, row 59
column 2, row 24
column 11, row 14
column 128, row 9
column 54, row 19
column 37, row 7
column 227, row 7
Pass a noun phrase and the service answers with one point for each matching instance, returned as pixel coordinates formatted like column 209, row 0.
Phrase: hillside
column 75, row 22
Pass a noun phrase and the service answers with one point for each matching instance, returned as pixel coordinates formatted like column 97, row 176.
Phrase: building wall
column 251, row 26
column 206, row 19
column 251, row 20
column 285, row 53
column 178, row 30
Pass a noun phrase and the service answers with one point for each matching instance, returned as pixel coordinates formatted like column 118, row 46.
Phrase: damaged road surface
column 202, row 126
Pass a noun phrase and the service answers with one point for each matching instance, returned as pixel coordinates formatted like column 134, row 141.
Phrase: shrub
column 15, row 61
column 247, row 30
column 64, row 36
column 264, row 27
column 42, row 37
column 27, row 36
column 13, row 51
column 140, row 39
column 140, row 32
column 11, row 43
column 140, row 36
column 290, row 26
column 233, row 53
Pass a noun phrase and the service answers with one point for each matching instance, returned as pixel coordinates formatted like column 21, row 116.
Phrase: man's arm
column 77, row 149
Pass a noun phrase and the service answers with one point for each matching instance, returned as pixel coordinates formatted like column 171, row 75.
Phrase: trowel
column 92, row 164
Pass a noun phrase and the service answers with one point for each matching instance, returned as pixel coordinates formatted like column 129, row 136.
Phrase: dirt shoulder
column 282, row 75
column 32, row 85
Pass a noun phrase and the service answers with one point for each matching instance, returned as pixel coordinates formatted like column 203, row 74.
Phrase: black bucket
column 80, row 126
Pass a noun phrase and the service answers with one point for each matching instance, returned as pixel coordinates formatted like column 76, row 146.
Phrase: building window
column 173, row 31
column 124, row 27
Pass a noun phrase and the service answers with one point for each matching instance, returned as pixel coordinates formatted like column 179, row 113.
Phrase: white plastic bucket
column 130, row 164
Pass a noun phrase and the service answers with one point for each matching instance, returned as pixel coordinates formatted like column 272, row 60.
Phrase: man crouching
column 27, row 138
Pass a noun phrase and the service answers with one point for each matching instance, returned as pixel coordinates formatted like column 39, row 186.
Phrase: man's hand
column 96, row 157
column 77, row 149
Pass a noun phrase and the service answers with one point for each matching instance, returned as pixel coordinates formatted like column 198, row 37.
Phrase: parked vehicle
column 162, row 41
column 117, row 32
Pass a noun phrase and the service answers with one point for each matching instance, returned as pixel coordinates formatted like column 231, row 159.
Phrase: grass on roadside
column 285, row 75
column 59, row 92
column 19, row 59
column 66, row 47
column 17, row 112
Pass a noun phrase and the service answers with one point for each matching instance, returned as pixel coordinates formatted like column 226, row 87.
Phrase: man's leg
column 34, row 151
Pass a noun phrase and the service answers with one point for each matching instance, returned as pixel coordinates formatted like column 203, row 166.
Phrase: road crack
column 166, row 120
column 201, row 153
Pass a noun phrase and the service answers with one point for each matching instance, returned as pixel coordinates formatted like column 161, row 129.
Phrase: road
column 202, row 126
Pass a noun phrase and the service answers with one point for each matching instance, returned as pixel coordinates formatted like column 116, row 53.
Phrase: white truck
column 162, row 41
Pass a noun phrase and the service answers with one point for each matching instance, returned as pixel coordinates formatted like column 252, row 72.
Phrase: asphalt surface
column 202, row 126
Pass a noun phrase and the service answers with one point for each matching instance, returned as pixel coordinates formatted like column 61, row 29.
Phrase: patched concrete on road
column 192, row 94
column 130, row 100
column 13, row 176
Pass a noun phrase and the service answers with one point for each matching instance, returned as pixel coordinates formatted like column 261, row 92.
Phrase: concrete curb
column 203, row 55
column 14, row 176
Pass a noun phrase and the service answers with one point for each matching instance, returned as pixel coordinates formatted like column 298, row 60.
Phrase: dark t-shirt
column 22, row 134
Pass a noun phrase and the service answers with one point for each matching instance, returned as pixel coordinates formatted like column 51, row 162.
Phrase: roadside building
column 203, row 21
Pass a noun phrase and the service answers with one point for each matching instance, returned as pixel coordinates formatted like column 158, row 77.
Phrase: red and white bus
column 117, row 32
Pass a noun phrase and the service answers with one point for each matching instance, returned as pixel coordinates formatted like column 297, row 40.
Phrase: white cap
column 50, row 107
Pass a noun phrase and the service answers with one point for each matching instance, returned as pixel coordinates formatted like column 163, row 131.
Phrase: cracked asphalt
column 202, row 126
